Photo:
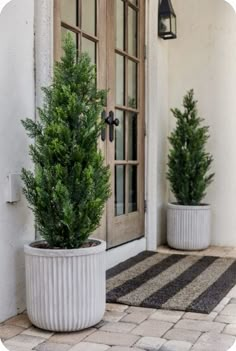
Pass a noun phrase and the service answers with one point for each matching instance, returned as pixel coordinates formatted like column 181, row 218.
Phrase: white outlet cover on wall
column 232, row 3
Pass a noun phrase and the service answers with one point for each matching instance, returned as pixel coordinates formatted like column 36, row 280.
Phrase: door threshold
column 127, row 242
column 125, row 251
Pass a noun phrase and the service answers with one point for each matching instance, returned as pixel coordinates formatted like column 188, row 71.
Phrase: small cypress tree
column 188, row 161
column 70, row 185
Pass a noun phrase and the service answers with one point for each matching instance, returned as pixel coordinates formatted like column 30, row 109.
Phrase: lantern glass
column 164, row 25
column 173, row 27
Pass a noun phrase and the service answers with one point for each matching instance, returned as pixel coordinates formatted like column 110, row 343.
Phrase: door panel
column 112, row 32
column 125, row 48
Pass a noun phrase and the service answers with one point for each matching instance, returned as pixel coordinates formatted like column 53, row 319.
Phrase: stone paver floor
column 127, row 328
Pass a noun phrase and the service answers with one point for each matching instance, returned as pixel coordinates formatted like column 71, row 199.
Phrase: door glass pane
column 120, row 24
column 120, row 81
column 120, row 136
column 132, row 136
column 64, row 32
column 132, row 84
column 132, row 32
column 119, row 190
column 69, row 12
column 89, row 16
column 90, row 47
column 133, row 206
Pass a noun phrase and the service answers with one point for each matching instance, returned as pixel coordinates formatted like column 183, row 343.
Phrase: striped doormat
column 173, row 282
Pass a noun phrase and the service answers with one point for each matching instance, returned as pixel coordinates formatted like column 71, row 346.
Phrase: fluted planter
column 65, row 289
column 188, row 227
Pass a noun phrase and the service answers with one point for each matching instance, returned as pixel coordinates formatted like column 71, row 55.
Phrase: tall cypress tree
column 188, row 161
column 70, row 185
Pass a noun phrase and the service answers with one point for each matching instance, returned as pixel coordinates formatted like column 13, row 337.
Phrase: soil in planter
column 45, row 246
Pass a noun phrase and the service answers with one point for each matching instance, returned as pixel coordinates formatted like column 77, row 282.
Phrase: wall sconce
column 167, row 27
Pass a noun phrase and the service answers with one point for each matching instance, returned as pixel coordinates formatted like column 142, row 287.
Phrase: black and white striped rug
column 173, row 282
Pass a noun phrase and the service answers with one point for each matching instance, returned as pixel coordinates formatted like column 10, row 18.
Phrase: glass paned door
column 125, row 155
column 112, row 32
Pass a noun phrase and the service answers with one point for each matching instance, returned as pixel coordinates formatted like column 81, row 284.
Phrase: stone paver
column 167, row 316
column 214, row 342
column 113, row 339
column 176, row 345
column 17, row 348
column 230, row 329
column 21, row 320
column 232, row 292
column 200, row 316
column 119, row 327
column 201, row 326
column 150, row 343
column 226, row 319
column 112, row 307
column 113, row 316
column 143, row 310
column 229, row 310
column 85, row 346
column 25, row 341
column 38, row 332
column 49, row 346
column 182, row 335
column 135, row 317
column 71, row 338
column 219, row 308
column 152, row 328
column 9, row 331
column 120, row 348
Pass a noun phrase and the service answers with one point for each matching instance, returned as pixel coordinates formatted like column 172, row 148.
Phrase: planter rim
column 34, row 251
column 188, row 207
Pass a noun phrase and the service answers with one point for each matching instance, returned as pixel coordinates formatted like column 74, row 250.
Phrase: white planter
column 188, row 227
column 65, row 289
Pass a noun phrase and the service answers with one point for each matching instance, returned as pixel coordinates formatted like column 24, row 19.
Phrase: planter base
column 65, row 288
column 188, row 227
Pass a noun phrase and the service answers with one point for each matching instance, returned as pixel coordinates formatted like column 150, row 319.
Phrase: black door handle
column 111, row 121
column 103, row 131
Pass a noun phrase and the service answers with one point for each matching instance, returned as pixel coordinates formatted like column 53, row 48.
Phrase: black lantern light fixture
column 167, row 27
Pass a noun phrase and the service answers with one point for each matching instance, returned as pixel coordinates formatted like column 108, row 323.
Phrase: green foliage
column 70, row 186
column 188, row 161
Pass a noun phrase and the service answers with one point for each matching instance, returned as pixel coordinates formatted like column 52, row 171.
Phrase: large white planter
column 65, row 289
column 188, row 227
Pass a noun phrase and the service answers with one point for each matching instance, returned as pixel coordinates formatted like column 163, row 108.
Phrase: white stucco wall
column 157, row 129
column 16, row 103
column 204, row 58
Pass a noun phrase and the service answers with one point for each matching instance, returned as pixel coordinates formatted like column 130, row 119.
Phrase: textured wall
column 204, row 58
column 16, row 102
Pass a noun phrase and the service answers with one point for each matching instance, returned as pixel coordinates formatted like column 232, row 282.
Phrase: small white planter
column 65, row 289
column 188, row 227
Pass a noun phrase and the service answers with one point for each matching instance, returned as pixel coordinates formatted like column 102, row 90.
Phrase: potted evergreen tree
column 65, row 272
column 189, row 220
